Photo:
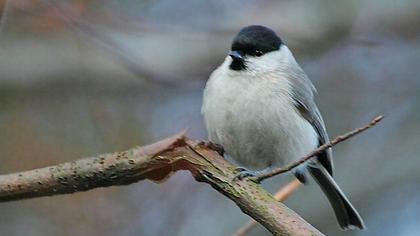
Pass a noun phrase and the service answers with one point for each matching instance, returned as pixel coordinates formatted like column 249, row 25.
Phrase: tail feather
column 347, row 216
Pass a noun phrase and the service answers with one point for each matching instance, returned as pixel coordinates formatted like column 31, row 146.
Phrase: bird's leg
column 243, row 173
column 214, row 146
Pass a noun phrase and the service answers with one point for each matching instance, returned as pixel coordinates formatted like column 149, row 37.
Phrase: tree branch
column 282, row 195
column 287, row 190
column 317, row 151
column 157, row 162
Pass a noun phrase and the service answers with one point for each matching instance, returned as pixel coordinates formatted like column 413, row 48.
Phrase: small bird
column 259, row 106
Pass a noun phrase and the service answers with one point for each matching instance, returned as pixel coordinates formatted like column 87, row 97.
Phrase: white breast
column 255, row 120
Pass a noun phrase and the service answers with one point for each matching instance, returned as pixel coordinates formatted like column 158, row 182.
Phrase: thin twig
column 317, row 151
column 4, row 14
column 281, row 195
column 287, row 190
column 124, row 57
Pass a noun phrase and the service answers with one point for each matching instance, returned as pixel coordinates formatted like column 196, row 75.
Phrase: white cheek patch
column 270, row 62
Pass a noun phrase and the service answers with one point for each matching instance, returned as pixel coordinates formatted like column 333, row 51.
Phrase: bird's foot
column 244, row 173
column 214, row 146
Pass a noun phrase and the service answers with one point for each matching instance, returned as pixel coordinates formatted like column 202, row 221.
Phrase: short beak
column 236, row 56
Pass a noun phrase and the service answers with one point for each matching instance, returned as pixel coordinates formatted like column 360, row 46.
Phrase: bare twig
column 4, row 15
column 122, row 55
column 317, row 151
column 282, row 195
column 287, row 190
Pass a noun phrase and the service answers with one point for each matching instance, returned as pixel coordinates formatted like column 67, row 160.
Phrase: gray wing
column 303, row 95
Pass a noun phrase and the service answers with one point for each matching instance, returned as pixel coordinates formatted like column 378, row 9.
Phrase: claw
column 240, row 169
column 253, row 175
column 244, row 173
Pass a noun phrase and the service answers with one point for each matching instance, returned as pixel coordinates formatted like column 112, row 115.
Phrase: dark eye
column 258, row 53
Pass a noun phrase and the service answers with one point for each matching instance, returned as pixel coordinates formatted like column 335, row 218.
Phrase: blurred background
column 79, row 78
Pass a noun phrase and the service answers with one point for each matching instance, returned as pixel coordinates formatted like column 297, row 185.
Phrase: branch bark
column 157, row 162
column 281, row 195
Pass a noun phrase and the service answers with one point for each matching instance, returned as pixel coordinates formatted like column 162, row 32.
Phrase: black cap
column 256, row 40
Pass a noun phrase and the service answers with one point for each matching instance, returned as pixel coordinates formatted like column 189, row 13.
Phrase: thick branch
column 156, row 162
column 283, row 194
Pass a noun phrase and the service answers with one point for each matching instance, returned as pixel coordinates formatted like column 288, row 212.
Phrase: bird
column 259, row 106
